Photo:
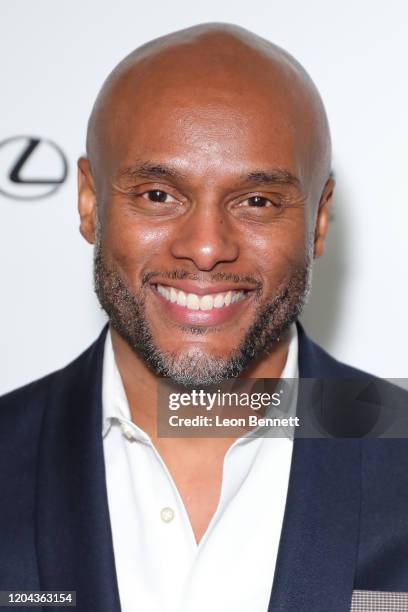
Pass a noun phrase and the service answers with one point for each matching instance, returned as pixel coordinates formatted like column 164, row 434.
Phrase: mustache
column 180, row 274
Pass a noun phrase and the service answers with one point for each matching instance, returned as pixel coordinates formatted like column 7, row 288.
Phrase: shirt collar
column 291, row 368
column 115, row 407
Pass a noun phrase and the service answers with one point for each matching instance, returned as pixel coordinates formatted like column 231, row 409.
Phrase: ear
column 323, row 218
column 86, row 200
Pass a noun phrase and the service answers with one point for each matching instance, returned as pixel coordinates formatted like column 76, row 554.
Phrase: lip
column 189, row 286
column 201, row 318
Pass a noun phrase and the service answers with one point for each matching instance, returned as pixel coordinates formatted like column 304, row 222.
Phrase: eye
column 260, row 201
column 157, row 195
column 258, row 207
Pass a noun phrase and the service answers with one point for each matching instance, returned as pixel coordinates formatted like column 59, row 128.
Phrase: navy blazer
column 345, row 523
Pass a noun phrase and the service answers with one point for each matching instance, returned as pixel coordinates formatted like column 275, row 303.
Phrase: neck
column 141, row 387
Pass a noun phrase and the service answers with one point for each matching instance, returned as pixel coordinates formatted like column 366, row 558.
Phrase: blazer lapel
column 318, row 548
column 74, row 541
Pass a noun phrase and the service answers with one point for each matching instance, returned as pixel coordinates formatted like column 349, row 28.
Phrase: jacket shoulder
column 31, row 398
column 316, row 362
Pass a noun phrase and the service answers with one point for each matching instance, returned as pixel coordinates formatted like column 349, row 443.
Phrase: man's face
column 205, row 229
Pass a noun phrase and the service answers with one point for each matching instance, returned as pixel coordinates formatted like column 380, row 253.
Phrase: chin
column 195, row 367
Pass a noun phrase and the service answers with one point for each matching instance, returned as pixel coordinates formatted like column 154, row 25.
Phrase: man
column 206, row 191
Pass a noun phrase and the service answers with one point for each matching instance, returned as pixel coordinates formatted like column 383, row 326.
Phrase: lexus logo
column 31, row 168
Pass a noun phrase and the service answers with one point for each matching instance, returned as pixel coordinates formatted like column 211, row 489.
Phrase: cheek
column 278, row 250
column 132, row 243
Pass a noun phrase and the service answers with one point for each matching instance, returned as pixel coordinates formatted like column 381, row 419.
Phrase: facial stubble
column 196, row 367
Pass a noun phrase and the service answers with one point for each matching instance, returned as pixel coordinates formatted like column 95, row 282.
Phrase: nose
column 205, row 237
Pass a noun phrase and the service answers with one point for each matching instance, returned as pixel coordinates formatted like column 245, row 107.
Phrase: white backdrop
column 54, row 57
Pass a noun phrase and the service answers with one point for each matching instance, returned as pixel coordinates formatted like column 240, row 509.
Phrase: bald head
column 208, row 169
column 205, row 66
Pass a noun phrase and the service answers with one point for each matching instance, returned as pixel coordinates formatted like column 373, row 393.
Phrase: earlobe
column 323, row 218
column 86, row 200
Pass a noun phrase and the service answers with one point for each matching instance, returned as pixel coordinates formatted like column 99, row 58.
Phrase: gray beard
column 195, row 367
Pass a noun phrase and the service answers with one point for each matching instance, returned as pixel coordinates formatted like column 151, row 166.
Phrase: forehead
column 206, row 124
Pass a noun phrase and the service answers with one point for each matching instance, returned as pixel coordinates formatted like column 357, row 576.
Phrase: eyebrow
column 272, row 177
column 148, row 170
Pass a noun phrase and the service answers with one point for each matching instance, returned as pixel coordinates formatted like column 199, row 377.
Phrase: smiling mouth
column 207, row 302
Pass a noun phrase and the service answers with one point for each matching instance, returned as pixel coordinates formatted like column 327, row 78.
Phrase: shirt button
column 127, row 431
column 167, row 515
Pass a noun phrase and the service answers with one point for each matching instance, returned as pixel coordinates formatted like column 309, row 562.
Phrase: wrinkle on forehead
column 208, row 65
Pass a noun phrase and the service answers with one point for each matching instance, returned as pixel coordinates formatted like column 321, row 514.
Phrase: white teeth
column 197, row 302
column 236, row 296
column 193, row 301
column 218, row 300
column 160, row 289
column 181, row 298
column 206, row 302
column 173, row 295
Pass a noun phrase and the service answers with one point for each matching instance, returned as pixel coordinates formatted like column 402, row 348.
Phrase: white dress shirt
column 160, row 567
